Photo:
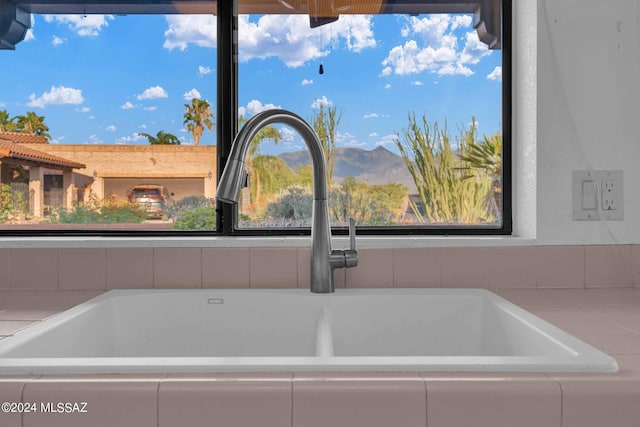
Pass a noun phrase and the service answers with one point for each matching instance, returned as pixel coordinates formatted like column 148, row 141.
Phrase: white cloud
column 306, row 82
column 453, row 69
column 373, row 134
column 83, row 25
column 433, row 47
column 204, row 70
column 464, row 21
column 496, row 74
column 287, row 37
column 111, row 128
column 288, row 135
column 387, row 86
column 371, row 116
column 417, row 83
column 83, row 109
column 387, row 140
column 199, row 30
column 152, row 108
column 57, row 41
column 127, row 106
column 348, row 140
column 143, row 126
column 254, row 107
column 93, row 139
column 58, row 95
column 153, row 92
column 193, row 93
column 474, row 50
column 134, row 137
column 321, row 102
column 29, row 34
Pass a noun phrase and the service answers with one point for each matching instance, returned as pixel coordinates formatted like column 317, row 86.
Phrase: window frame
column 227, row 214
column 227, row 118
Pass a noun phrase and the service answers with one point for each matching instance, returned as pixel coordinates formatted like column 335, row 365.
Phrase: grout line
column 557, row 381
column 293, row 375
column 426, row 400
column 158, row 403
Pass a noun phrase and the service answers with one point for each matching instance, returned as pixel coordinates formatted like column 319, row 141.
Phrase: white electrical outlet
column 609, row 195
column 598, row 195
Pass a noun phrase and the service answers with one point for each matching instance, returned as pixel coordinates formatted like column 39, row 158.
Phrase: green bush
column 203, row 218
column 187, row 204
column 293, row 204
column 11, row 203
column 106, row 211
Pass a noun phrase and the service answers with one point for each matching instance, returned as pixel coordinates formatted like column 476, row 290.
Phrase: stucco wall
column 144, row 163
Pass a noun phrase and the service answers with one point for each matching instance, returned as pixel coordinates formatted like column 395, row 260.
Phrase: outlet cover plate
column 589, row 200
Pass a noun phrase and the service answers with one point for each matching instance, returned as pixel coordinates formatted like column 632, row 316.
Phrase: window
column 95, row 107
column 133, row 95
column 410, row 104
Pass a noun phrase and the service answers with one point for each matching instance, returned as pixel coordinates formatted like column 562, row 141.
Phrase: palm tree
column 33, row 124
column 486, row 155
column 198, row 115
column 266, row 133
column 161, row 138
column 325, row 124
column 6, row 124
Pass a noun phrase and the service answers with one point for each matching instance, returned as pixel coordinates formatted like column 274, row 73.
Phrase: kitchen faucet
column 323, row 259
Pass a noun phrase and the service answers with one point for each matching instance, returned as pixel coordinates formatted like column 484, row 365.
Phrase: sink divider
column 324, row 336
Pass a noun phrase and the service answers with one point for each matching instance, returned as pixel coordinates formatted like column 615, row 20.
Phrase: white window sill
column 368, row 242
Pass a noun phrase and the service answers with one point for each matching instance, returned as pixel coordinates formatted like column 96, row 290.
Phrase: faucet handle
column 351, row 255
column 352, row 233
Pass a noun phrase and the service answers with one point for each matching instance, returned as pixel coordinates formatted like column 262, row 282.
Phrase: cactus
column 446, row 192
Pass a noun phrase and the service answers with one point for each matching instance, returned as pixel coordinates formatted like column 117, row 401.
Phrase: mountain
column 378, row 166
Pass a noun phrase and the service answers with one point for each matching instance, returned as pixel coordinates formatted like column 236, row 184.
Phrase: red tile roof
column 18, row 151
column 23, row 138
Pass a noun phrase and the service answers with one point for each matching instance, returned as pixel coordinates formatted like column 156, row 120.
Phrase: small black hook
column 321, row 70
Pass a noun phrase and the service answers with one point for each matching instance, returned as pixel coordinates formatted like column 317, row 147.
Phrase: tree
column 33, row 124
column 325, row 123
column 198, row 115
column 486, row 156
column 446, row 195
column 161, row 138
column 6, row 124
column 373, row 204
column 257, row 174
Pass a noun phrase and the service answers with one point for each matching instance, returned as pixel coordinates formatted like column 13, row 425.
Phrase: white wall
column 588, row 114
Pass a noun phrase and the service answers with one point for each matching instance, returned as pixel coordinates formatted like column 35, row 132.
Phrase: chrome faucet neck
column 323, row 259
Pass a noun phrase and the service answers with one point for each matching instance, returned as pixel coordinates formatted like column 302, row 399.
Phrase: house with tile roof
column 16, row 156
column 107, row 169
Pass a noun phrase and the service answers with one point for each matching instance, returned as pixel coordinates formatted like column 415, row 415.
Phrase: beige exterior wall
column 184, row 170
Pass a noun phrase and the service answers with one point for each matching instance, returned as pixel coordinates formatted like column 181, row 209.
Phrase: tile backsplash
column 519, row 267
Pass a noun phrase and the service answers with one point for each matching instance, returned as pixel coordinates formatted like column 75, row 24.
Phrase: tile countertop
column 609, row 319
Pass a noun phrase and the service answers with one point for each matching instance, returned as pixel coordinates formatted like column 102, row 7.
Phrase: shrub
column 11, row 203
column 96, row 211
column 294, row 204
column 203, row 218
column 187, row 204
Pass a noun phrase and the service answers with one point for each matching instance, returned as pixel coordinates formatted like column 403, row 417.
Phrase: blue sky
column 104, row 79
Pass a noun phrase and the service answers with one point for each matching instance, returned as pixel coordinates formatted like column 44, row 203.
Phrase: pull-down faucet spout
column 323, row 259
